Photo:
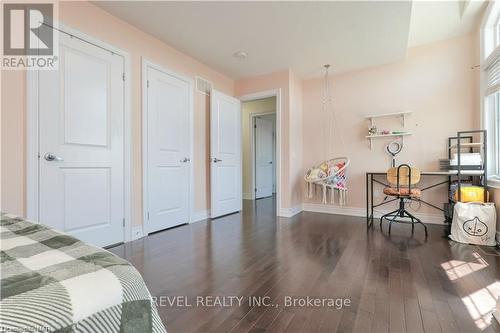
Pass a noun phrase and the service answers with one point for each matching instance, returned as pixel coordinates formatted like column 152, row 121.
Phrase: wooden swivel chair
column 403, row 178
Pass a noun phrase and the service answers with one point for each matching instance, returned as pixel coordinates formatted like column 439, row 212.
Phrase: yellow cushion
column 472, row 194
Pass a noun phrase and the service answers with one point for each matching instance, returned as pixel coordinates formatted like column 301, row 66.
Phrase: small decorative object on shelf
column 372, row 130
column 385, row 132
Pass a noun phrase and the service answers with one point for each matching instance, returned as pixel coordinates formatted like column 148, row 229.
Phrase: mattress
column 52, row 282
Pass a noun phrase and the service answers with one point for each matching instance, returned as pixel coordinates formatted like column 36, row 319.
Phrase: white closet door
column 168, row 136
column 81, row 136
column 225, row 153
column 263, row 158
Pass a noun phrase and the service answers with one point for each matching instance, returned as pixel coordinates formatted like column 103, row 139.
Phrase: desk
column 370, row 181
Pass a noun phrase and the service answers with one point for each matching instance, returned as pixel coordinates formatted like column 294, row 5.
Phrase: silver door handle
column 185, row 160
column 51, row 157
column 215, row 160
column 271, row 162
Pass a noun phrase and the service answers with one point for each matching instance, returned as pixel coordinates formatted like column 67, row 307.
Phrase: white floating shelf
column 376, row 136
column 386, row 135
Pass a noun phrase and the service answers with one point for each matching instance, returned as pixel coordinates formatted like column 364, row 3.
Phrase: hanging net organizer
column 330, row 175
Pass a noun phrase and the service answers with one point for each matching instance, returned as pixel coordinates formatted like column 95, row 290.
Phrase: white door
column 81, row 147
column 263, row 158
column 225, row 154
column 168, row 150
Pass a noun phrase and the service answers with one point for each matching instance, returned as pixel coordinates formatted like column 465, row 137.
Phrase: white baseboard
column 331, row 209
column 200, row 216
column 137, row 232
column 361, row 212
column 247, row 196
column 289, row 212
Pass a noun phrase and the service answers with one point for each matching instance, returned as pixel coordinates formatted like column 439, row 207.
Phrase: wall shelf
column 402, row 115
column 377, row 136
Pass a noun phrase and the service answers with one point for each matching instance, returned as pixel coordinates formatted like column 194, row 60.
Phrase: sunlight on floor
column 481, row 303
column 456, row 269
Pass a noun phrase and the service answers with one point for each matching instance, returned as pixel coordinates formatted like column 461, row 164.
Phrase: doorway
column 225, row 154
column 259, row 148
column 264, row 159
column 167, row 129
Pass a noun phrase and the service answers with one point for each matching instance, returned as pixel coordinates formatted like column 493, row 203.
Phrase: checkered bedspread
column 51, row 282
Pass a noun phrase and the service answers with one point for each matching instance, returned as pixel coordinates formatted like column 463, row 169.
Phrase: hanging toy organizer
column 330, row 176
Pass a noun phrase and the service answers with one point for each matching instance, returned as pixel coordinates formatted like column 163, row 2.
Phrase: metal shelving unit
column 465, row 140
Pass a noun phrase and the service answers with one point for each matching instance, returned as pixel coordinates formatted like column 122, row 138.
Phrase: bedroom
column 133, row 143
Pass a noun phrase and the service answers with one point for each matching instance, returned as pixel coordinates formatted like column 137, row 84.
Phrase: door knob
column 215, row 160
column 51, row 157
column 185, row 160
column 271, row 162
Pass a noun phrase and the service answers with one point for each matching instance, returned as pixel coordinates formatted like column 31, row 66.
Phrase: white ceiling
column 299, row 35
column 275, row 35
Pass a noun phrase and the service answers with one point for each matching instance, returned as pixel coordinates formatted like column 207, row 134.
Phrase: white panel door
column 225, row 154
column 81, row 147
column 263, row 158
column 168, row 135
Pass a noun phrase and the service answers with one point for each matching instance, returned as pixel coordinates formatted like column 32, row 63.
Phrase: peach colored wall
column 95, row 22
column 13, row 142
column 296, row 140
column 435, row 81
column 291, row 133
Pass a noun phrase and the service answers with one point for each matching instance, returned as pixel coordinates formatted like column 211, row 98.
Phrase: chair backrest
column 404, row 175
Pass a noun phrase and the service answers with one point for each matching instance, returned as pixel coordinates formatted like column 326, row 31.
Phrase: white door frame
column 145, row 203
column 260, row 95
column 32, row 135
column 253, row 160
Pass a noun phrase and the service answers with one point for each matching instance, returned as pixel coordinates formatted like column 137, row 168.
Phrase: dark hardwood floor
column 394, row 283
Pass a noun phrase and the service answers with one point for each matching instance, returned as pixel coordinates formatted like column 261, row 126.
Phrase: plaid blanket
column 51, row 282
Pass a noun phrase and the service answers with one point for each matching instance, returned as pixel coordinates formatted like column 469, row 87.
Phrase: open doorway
column 259, row 148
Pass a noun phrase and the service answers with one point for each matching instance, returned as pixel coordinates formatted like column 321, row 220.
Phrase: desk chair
column 403, row 177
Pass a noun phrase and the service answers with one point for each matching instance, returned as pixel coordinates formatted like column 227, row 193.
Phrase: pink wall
column 95, row 22
column 435, row 81
column 296, row 169
column 13, row 124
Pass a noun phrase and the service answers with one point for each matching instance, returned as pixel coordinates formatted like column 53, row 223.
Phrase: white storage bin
column 474, row 223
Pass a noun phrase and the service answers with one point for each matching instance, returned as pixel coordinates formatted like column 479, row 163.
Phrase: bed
column 52, row 282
